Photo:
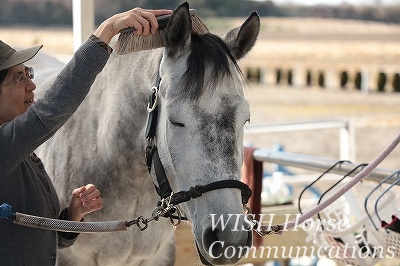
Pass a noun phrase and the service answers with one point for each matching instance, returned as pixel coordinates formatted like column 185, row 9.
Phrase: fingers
column 150, row 15
column 89, row 196
column 143, row 20
column 160, row 12
column 77, row 191
column 146, row 20
column 94, row 204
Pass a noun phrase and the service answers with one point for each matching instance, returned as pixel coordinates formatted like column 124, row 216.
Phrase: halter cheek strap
column 163, row 188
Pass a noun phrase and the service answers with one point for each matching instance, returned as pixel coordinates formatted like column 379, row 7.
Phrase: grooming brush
column 128, row 42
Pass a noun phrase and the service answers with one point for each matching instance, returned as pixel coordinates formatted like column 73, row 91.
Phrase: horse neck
column 119, row 98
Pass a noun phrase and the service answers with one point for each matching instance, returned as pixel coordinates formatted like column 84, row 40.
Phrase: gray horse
column 198, row 135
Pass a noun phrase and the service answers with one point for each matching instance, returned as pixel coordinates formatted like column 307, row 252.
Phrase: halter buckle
column 175, row 219
column 154, row 100
column 167, row 201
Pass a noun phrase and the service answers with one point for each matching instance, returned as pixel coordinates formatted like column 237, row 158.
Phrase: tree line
column 59, row 12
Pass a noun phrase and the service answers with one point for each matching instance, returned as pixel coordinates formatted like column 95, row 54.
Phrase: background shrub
column 344, row 78
column 396, row 82
column 278, row 75
column 321, row 79
column 290, row 77
column 309, row 78
column 381, row 81
column 357, row 80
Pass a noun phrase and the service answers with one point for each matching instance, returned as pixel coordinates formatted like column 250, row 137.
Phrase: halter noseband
column 152, row 158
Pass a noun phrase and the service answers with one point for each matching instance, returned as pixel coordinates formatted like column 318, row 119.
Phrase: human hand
column 84, row 200
column 143, row 20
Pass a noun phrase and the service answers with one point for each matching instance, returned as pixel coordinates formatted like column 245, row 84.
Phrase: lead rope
column 88, row 227
column 264, row 230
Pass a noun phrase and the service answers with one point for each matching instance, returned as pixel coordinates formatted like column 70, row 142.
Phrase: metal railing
column 317, row 164
column 346, row 132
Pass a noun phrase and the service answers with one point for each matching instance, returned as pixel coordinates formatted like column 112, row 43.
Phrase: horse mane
column 206, row 49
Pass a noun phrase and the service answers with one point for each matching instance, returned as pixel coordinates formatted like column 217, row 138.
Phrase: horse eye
column 177, row 124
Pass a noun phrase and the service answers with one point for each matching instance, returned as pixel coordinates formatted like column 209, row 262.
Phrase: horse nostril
column 210, row 237
column 226, row 248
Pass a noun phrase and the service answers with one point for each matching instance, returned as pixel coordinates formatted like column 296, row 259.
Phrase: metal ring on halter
column 178, row 219
column 247, row 209
column 142, row 223
column 155, row 103
column 157, row 212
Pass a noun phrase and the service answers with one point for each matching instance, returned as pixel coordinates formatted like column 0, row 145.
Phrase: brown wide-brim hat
column 9, row 57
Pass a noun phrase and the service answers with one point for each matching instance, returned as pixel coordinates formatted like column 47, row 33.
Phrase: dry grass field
column 281, row 39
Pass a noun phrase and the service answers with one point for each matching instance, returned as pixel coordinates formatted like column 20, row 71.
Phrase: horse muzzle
column 225, row 244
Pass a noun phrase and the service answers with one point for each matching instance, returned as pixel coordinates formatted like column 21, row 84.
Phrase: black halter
column 152, row 158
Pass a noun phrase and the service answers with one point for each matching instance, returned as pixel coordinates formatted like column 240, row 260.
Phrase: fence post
column 252, row 175
column 263, row 75
column 298, row 81
column 347, row 146
column 364, row 81
column 83, row 20
column 330, row 79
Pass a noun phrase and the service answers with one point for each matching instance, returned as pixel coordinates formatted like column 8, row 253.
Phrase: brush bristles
column 128, row 42
column 198, row 26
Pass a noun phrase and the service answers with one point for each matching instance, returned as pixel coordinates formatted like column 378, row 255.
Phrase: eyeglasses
column 23, row 77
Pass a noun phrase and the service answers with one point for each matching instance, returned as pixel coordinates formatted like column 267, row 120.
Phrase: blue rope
column 5, row 212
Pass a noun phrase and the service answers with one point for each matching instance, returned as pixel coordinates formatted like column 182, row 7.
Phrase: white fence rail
column 317, row 164
column 346, row 133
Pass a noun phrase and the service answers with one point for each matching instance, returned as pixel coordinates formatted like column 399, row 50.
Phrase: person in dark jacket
column 26, row 124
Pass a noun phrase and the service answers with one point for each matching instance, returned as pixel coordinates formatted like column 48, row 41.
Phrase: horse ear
column 242, row 39
column 178, row 29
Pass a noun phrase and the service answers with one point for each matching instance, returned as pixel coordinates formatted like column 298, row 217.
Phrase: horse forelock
column 207, row 50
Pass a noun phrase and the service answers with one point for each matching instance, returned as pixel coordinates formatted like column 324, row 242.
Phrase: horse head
column 199, row 131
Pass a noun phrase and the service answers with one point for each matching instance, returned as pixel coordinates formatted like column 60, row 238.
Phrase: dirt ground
column 375, row 117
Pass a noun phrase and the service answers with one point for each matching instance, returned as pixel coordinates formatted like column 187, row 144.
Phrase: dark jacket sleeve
column 66, row 239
